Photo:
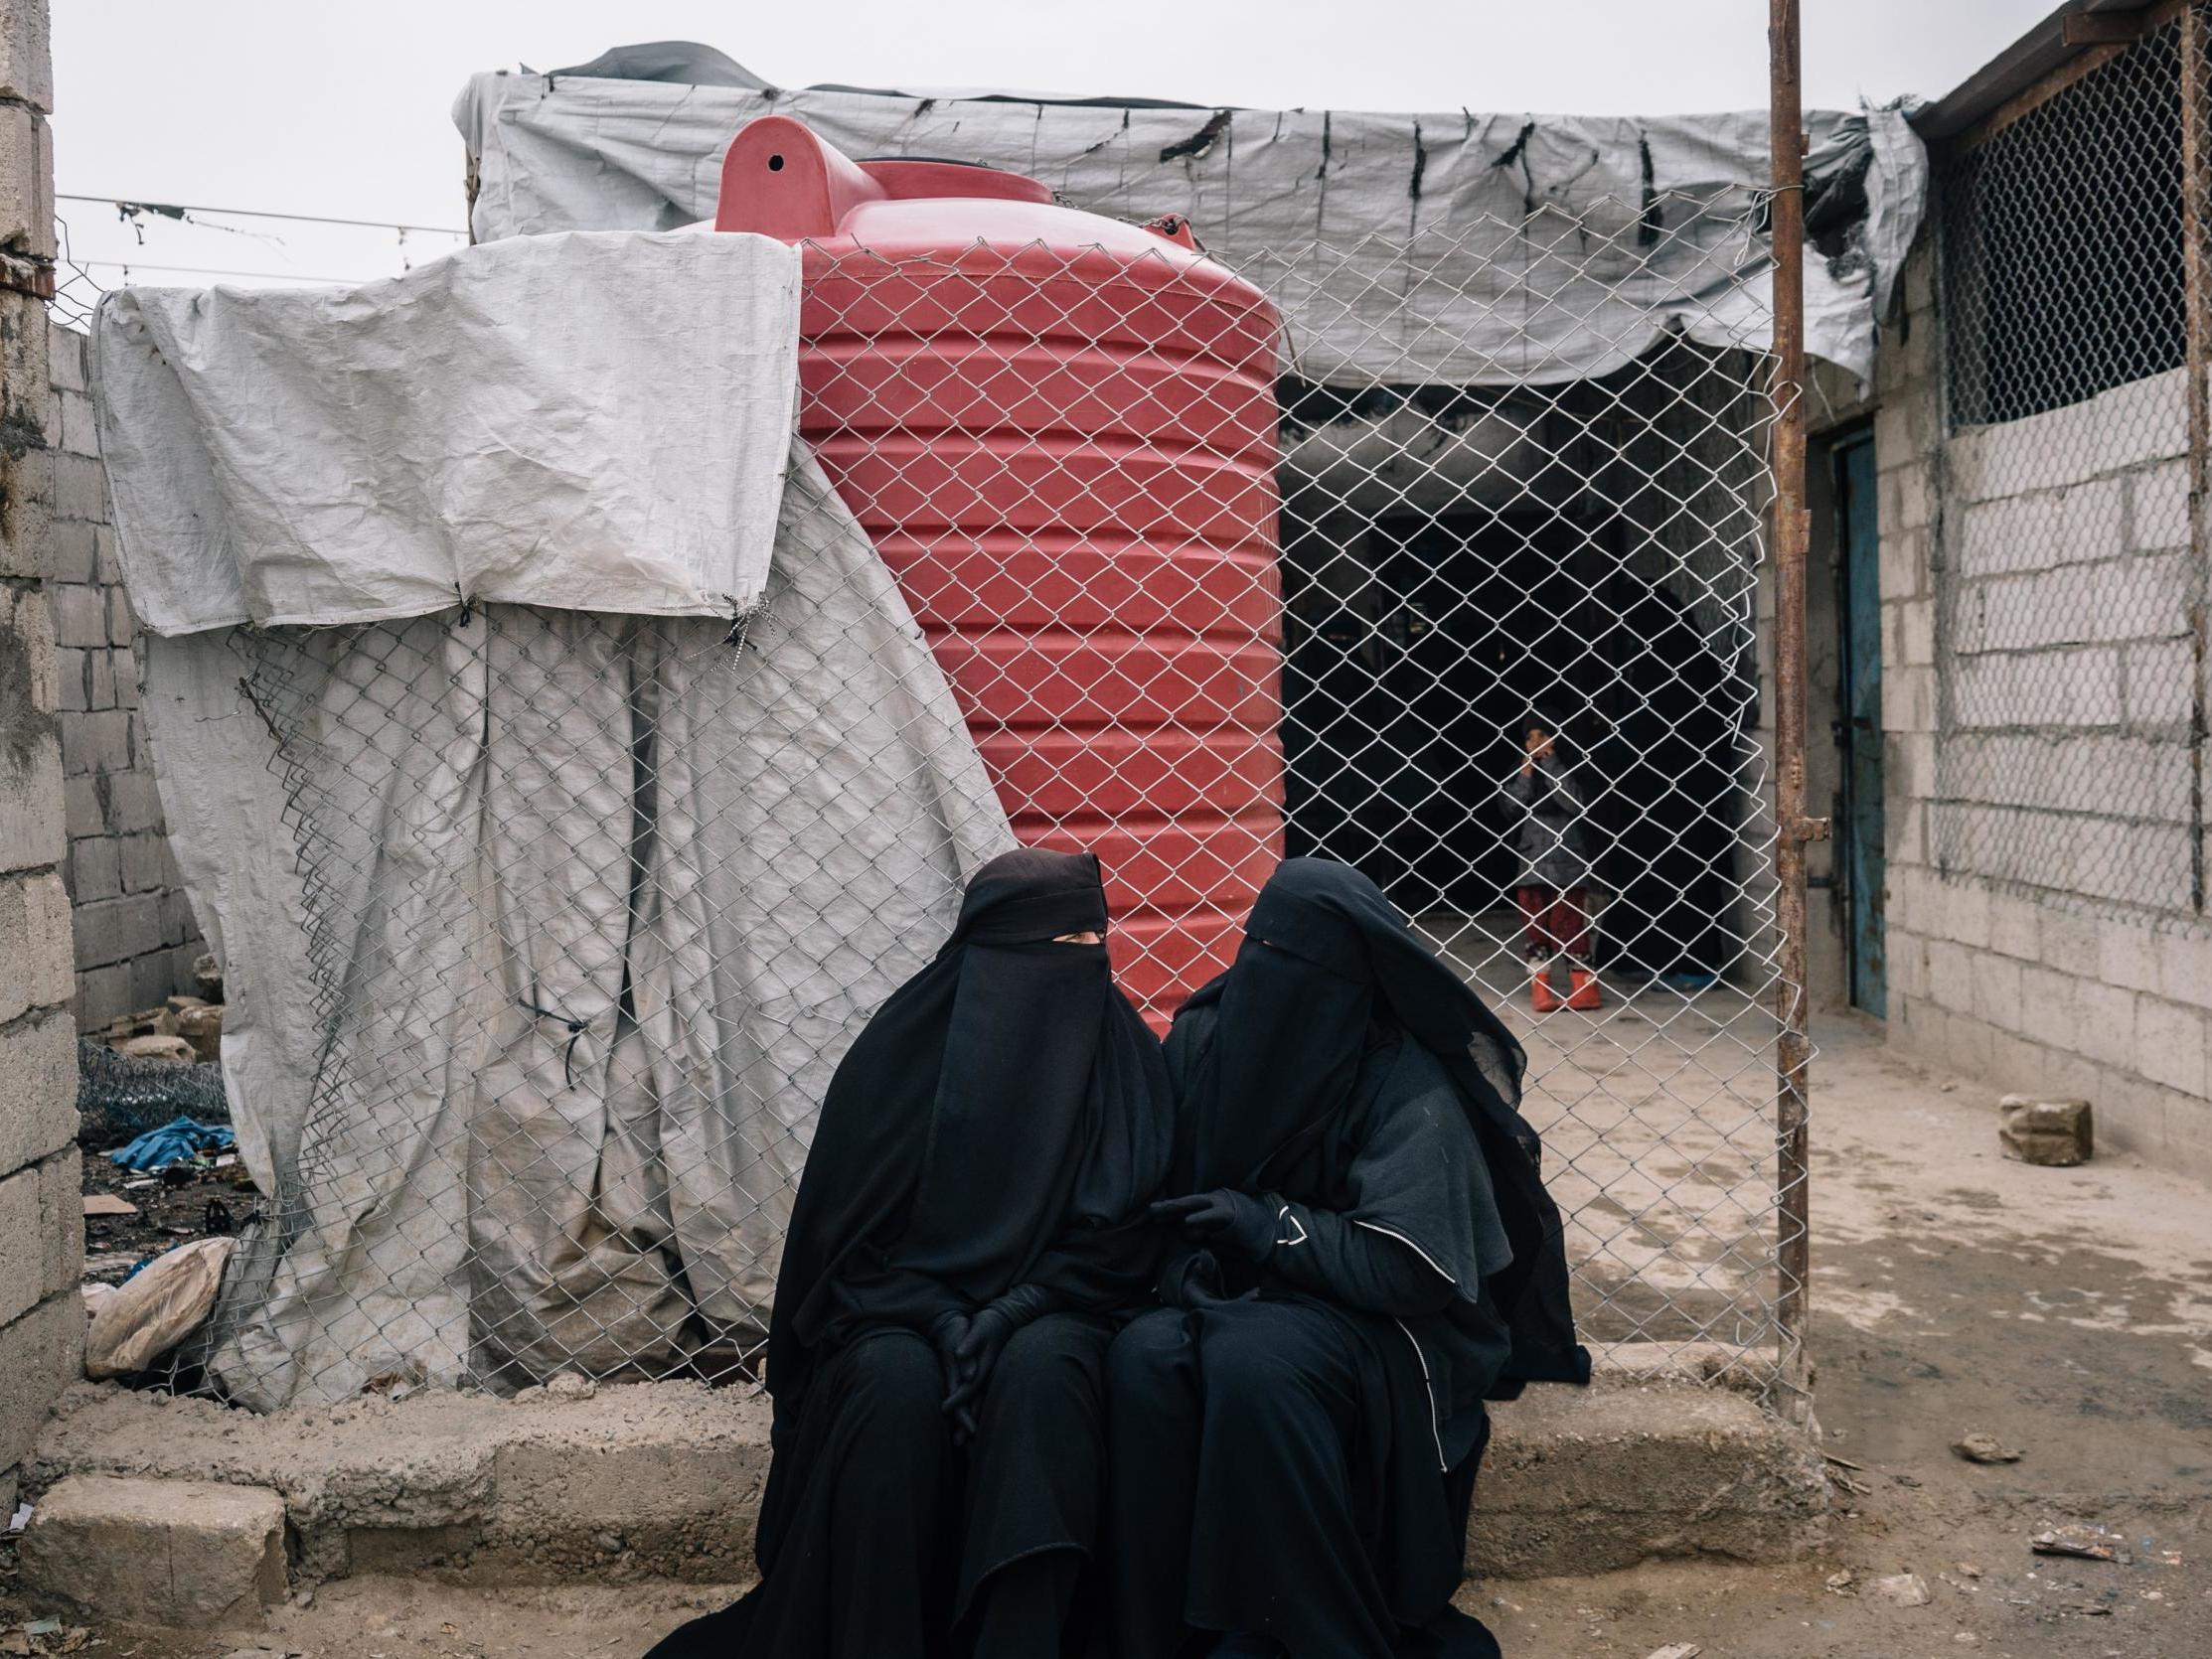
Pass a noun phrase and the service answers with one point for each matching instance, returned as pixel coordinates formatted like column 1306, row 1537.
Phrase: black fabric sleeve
column 1107, row 1252
column 1095, row 1269
column 1176, row 1268
column 1027, row 1303
column 1353, row 1264
column 896, row 1296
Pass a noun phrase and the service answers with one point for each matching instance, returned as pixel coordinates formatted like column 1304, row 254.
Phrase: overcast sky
column 314, row 108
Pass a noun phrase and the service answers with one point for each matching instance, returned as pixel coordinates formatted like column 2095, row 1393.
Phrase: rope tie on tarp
column 577, row 1030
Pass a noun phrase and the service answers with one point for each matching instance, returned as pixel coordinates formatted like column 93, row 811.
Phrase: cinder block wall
column 41, row 1229
column 2054, row 985
column 135, row 936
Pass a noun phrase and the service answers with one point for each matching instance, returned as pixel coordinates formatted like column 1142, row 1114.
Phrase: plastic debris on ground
column 156, row 1308
column 132, row 1219
column 180, row 1140
column 2082, row 1543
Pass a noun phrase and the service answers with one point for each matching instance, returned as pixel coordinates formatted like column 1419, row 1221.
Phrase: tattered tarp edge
column 559, row 150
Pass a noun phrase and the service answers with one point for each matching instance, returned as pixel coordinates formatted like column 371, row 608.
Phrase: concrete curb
column 165, row 1552
column 662, row 1480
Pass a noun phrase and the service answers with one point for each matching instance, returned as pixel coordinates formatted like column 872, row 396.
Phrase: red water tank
column 1059, row 431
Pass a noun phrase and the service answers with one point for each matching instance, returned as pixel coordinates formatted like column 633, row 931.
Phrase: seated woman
column 1370, row 1252
column 974, row 1207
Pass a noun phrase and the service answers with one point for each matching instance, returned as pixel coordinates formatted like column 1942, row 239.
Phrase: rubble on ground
column 1901, row 1589
column 1978, row 1448
column 165, row 1190
column 2055, row 1133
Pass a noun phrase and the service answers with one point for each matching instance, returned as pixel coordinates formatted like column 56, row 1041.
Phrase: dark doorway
column 1402, row 708
column 1404, row 703
column 1673, row 761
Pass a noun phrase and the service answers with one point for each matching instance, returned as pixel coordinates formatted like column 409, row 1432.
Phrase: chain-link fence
column 2069, row 635
column 76, row 291
column 593, row 904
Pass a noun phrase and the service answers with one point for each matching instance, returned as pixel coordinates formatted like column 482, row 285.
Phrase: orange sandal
column 1541, row 996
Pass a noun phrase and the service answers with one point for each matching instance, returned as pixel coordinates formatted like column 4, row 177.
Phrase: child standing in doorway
column 1555, row 849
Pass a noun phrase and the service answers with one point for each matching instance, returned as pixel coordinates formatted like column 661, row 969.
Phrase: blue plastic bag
column 179, row 1140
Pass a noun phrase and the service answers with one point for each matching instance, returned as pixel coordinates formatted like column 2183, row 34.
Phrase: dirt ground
column 183, row 1203
column 2066, row 1311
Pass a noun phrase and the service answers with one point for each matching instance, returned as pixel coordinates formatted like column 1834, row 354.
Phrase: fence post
column 1792, row 1048
column 2196, row 280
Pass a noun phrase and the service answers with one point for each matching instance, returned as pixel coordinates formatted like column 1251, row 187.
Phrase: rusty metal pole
column 2196, row 276
column 1792, row 1048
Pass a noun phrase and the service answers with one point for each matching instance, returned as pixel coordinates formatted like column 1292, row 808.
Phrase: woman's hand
column 977, row 1352
column 1197, row 1285
column 1224, row 1219
column 946, row 1333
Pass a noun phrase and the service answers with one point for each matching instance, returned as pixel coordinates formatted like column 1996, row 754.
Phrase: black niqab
column 999, row 1127
column 1325, row 958
column 1346, row 1078
column 985, row 1090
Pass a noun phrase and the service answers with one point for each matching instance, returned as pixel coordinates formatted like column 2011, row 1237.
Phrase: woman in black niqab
column 1370, row 1252
column 971, row 1220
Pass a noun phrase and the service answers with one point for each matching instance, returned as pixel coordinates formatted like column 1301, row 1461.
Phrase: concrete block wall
column 2065, row 650
column 42, row 1232
column 2061, row 535
column 135, row 937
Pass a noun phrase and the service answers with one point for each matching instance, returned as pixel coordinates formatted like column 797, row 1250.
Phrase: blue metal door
column 1860, row 857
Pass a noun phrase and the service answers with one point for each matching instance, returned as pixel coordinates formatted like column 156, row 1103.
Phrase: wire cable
column 168, row 208
column 214, row 270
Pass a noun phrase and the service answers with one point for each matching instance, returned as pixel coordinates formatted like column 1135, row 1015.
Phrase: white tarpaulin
column 1449, row 248
column 592, row 421
column 543, row 920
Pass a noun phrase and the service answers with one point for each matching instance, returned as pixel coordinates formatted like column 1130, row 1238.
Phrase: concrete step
column 662, row 1480
column 157, row 1552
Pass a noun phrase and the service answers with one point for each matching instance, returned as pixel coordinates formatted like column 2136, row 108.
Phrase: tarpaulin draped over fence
column 591, row 421
column 540, row 943
column 1445, row 248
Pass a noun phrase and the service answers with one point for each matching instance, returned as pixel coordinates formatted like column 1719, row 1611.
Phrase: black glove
column 980, row 1346
column 1194, row 1282
column 1232, row 1221
column 946, row 1333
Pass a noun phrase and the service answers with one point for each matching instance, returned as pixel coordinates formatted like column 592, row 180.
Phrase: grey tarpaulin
column 1442, row 249
column 544, row 919
column 596, row 419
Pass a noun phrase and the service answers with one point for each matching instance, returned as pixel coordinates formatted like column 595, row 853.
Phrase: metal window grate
column 2062, row 244
column 2070, row 704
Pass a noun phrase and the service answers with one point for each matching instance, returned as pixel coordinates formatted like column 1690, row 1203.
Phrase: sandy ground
column 2068, row 1313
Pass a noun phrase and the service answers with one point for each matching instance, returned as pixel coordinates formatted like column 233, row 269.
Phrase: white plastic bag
column 165, row 1302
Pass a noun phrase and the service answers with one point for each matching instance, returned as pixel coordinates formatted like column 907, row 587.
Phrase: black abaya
column 983, row 1162
column 1294, row 1446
